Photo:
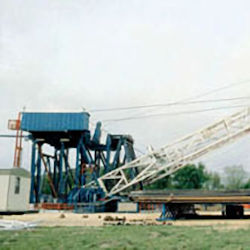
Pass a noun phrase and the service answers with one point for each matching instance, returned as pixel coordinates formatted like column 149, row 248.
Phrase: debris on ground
column 16, row 225
column 62, row 216
column 109, row 220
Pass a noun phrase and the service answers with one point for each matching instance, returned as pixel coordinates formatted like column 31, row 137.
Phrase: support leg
column 33, row 169
column 167, row 213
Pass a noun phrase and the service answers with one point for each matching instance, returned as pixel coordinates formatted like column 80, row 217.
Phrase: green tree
column 213, row 182
column 190, row 177
column 164, row 183
column 235, row 177
column 247, row 184
column 46, row 187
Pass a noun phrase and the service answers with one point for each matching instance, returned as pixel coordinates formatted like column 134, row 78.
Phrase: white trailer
column 14, row 190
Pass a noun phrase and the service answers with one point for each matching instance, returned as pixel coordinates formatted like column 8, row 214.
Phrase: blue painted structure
column 66, row 176
column 167, row 213
column 54, row 122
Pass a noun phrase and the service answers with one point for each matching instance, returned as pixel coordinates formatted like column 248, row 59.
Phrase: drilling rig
column 99, row 173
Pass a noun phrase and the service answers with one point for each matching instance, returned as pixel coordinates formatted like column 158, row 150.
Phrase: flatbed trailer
column 176, row 203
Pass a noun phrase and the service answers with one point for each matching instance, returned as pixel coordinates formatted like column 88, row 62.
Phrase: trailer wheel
column 234, row 211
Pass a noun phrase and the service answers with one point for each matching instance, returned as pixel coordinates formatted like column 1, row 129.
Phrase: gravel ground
column 51, row 219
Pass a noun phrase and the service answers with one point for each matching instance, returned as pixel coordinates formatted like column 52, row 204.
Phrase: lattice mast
column 160, row 163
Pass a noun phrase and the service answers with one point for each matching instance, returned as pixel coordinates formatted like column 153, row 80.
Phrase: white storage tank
column 14, row 190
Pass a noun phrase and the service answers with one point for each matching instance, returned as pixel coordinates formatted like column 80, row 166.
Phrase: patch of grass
column 125, row 237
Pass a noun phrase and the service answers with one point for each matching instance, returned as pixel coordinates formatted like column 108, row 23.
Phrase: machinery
column 102, row 171
column 62, row 139
column 165, row 161
column 181, row 203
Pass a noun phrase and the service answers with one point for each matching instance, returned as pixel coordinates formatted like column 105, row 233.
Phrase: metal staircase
column 163, row 162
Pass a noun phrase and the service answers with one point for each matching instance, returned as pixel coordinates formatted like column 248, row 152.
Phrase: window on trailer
column 17, row 185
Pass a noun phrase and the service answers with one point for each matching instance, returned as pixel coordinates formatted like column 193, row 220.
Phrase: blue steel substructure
column 167, row 213
column 51, row 173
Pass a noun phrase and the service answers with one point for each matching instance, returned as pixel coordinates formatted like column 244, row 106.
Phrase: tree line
column 197, row 177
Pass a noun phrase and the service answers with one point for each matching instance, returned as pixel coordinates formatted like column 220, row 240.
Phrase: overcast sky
column 68, row 55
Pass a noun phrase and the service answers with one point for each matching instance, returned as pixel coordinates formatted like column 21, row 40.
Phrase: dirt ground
column 53, row 218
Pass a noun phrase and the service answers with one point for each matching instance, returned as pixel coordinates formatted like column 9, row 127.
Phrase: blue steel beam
column 33, row 169
column 38, row 178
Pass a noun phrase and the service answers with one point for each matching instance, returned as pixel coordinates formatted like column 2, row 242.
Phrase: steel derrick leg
column 33, row 170
column 167, row 214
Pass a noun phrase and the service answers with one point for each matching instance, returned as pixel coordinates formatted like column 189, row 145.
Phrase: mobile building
column 14, row 190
